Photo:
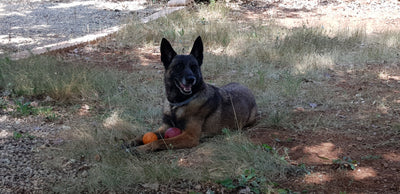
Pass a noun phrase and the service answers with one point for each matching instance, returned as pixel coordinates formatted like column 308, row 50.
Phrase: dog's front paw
column 136, row 142
column 134, row 150
column 144, row 148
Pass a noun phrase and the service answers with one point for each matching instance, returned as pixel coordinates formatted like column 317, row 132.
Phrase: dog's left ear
column 197, row 50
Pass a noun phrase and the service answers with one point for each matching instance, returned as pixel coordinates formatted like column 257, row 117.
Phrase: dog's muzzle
column 185, row 84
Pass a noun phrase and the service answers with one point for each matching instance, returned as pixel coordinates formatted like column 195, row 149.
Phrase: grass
column 284, row 67
column 226, row 156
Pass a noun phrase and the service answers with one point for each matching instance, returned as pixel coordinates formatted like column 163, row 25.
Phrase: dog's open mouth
column 185, row 89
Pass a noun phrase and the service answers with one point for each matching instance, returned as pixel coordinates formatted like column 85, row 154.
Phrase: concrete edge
column 87, row 38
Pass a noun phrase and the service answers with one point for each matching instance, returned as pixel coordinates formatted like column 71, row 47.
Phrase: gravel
column 21, row 139
column 25, row 25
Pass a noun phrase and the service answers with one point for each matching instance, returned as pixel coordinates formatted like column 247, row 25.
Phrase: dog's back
column 244, row 104
column 236, row 108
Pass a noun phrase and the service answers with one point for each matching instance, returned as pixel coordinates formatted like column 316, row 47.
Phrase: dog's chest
column 176, row 112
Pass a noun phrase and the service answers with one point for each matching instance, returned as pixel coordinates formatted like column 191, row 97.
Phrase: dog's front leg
column 190, row 137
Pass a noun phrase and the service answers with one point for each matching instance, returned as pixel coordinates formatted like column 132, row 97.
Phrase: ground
column 368, row 139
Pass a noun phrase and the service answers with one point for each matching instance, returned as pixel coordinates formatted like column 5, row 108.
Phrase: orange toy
column 149, row 137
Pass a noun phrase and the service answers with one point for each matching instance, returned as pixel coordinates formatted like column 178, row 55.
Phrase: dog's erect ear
column 167, row 52
column 197, row 50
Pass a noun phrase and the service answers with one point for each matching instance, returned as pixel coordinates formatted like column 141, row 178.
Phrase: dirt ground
column 368, row 135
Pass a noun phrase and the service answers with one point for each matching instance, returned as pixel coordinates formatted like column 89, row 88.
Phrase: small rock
column 299, row 109
column 97, row 157
column 85, row 107
column 197, row 187
column 209, row 191
column 359, row 138
column 313, row 105
column 173, row 3
column 48, row 99
column 34, row 104
column 65, row 127
column 5, row 161
column 152, row 186
column 84, row 167
column 385, row 165
column 3, row 134
column 84, row 174
column 245, row 191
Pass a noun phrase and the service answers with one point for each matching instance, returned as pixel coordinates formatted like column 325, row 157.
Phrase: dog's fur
column 197, row 108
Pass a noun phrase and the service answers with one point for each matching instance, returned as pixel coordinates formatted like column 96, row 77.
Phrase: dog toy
column 172, row 132
column 149, row 137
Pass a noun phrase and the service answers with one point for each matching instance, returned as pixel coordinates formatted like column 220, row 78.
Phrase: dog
column 197, row 108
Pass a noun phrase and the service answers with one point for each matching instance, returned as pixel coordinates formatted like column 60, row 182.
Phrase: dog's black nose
column 190, row 80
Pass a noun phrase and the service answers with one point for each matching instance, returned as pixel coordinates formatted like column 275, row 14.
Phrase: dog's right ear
column 197, row 50
column 167, row 53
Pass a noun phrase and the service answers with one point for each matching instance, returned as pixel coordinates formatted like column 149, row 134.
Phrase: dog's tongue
column 186, row 88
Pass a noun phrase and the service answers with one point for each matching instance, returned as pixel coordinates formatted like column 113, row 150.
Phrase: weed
column 251, row 180
column 268, row 148
column 18, row 135
column 248, row 178
column 277, row 119
column 3, row 103
column 24, row 109
column 51, row 117
column 345, row 163
column 290, row 84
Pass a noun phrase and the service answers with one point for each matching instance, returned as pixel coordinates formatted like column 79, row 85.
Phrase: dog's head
column 182, row 72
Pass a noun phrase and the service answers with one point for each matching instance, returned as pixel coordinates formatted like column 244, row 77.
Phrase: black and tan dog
column 197, row 108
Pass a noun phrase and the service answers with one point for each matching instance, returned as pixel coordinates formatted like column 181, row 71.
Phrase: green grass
column 274, row 61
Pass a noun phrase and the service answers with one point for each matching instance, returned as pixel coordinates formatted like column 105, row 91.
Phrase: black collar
column 187, row 101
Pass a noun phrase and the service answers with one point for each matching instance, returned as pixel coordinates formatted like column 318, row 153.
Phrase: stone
column 176, row 3
column 85, row 174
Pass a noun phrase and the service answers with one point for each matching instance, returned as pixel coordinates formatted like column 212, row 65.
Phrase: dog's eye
column 193, row 67
column 179, row 67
